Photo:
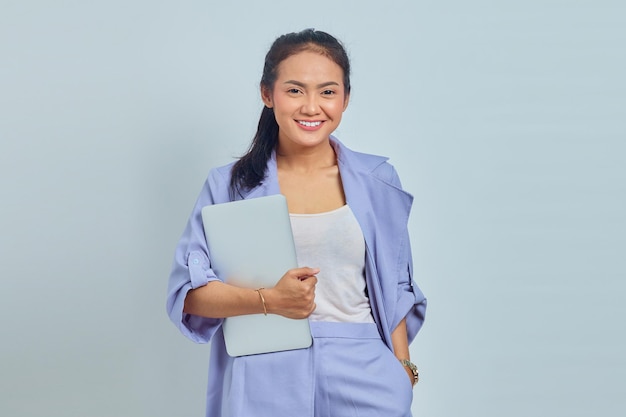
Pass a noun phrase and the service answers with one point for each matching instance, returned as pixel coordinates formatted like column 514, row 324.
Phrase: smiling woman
column 308, row 100
column 354, row 281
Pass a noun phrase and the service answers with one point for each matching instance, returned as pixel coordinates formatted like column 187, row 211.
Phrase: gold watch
column 407, row 363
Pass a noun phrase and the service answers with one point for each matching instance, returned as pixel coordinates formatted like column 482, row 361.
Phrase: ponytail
column 249, row 170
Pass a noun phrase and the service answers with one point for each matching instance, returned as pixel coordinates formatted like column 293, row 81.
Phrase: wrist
column 262, row 299
column 270, row 302
column 412, row 369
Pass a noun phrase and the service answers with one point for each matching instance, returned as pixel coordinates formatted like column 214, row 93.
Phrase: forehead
column 308, row 66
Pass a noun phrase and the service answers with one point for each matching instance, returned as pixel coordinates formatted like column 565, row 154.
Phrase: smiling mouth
column 309, row 124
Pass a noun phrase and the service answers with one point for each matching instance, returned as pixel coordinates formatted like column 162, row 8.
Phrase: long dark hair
column 249, row 171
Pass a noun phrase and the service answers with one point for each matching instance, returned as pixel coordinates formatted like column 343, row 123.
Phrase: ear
column 346, row 100
column 266, row 96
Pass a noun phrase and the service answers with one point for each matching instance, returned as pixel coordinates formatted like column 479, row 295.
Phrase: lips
column 309, row 124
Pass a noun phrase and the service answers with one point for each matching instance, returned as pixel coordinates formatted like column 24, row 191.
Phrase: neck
column 306, row 159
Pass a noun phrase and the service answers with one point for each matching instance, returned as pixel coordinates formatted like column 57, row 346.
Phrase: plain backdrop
column 505, row 119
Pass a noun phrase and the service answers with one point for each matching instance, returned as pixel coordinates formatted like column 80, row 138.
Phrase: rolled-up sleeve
column 192, row 268
column 411, row 304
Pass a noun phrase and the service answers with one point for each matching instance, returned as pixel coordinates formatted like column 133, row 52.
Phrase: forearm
column 292, row 297
column 400, row 341
column 220, row 300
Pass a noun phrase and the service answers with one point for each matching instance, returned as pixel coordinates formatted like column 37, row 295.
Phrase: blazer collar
column 357, row 161
column 349, row 161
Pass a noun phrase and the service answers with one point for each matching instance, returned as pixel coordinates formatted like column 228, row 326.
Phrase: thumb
column 306, row 272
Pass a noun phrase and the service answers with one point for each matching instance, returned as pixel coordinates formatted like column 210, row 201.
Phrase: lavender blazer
column 373, row 191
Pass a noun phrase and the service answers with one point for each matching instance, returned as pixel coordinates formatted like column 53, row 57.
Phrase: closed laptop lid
column 251, row 245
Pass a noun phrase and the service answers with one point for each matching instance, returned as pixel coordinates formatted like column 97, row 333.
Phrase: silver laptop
column 251, row 245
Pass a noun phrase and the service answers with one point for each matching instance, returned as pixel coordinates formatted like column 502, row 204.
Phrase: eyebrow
column 322, row 85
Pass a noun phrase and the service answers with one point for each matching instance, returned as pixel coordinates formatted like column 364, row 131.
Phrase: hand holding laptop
column 293, row 296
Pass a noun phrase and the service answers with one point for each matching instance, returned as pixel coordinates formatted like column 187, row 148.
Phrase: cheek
column 283, row 113
column 336, row 108
column 281, row 105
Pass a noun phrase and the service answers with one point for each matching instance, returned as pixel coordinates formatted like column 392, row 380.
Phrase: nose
column 310, row 105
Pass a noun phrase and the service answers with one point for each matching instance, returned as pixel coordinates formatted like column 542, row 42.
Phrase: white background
column 505, row 119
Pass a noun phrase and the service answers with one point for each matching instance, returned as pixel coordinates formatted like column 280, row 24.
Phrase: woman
column 349, row 217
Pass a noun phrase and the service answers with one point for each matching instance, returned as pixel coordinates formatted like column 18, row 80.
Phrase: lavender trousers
column 347, row 372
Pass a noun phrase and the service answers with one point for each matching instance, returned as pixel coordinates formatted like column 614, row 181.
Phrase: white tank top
column 333, row 241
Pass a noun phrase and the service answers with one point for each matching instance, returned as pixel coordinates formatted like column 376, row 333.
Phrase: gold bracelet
column 262, row 300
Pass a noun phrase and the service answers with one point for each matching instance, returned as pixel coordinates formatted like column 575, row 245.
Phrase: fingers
column 294, row 294
column 304, row 273
column 312, row 280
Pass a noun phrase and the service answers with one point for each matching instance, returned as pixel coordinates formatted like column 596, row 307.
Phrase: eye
column 293, row 91
column 328, row 92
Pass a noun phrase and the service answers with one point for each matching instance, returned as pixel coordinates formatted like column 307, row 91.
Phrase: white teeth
column 309, row 124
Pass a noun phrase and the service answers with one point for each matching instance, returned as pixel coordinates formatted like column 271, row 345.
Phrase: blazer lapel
column 382, row 210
